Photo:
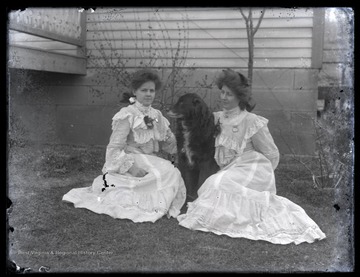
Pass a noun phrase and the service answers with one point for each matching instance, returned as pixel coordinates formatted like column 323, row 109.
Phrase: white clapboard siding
column 19, row 36
column 232, row 23
column 176, row 14
column 277, row 43
column 203, row 37
column 38, row 42
column 47, row 39
column 204, row 34
column 46, row 45
column 200, row 53
column 63, row 22
column 35, row 42
column 208, row 63
column 70, row 52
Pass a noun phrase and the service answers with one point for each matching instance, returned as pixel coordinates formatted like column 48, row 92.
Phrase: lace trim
column 230, row 144
column 258, row 123
column 137, row 124
column 309, row 235
column 156, row 201
column 120, row 162
column 288, row 229
column 126, row 164
column 169, row 144
column 237, row 140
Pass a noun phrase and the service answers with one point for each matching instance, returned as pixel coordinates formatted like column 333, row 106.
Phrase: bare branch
column 259, row 22
column 251, row 23
column 246, row 23
column 243, row 15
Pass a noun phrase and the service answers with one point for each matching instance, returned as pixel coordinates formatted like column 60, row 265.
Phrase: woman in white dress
column 136, row 184
column 240, row 199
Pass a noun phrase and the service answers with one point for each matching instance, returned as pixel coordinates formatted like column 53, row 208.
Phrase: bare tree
column 251, row 31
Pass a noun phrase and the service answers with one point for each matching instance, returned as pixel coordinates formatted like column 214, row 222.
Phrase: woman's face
column 145, row 94
column 228, row 98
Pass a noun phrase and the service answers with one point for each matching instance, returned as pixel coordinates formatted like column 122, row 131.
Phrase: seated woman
column 136, row 184
column 240, row 199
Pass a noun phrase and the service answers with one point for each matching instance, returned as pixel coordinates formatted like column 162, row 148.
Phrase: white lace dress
column 240, row 200
column 119, row 194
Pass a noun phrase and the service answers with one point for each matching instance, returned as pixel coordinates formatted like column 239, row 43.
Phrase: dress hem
column 310, row 234
column 135, row 214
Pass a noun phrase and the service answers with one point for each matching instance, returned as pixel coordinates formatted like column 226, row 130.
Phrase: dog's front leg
column 190, row 176
column 206, row 169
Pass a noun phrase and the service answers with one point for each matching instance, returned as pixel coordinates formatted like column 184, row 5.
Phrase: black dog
column 195, row 137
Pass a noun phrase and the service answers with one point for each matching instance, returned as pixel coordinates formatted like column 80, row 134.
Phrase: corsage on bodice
column 137, row 129
column 146, row 124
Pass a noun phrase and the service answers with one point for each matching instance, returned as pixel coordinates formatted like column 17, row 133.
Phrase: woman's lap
column 251, row 170
column 136, row 198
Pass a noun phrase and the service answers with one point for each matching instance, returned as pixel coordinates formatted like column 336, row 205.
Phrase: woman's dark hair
column 239, row 85
column 138, row 79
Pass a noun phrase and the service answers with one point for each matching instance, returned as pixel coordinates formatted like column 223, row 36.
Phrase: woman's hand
column 137, row 171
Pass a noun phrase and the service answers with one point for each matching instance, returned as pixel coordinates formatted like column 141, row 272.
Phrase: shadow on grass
column 53, row 234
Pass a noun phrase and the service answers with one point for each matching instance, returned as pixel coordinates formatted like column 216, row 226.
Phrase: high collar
column 233, row 112
column 142, row 108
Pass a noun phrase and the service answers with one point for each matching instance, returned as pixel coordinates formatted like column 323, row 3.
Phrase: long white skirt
column 141, row 199
column 240, row 201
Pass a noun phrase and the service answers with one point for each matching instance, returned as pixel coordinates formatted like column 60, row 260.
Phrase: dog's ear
column 200, row 107
column 196, row 101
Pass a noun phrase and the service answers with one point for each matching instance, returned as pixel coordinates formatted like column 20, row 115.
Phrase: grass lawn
column 52, row 233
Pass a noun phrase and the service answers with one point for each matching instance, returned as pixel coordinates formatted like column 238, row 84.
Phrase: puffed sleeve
column 264, row 143
column 116, row 160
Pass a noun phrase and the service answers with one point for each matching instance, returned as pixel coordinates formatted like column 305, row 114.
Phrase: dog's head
column 189, row 105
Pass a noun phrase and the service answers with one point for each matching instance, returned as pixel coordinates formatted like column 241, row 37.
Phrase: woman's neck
column 231, row 112
column 141, row 106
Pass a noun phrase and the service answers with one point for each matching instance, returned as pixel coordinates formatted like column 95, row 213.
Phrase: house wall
column 206, row 37
column 70, row 109
column 336, row 77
